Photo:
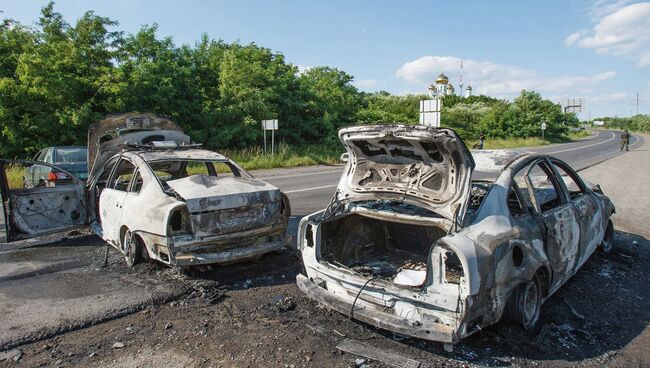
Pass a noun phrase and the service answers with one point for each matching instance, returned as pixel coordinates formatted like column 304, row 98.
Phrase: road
column 312, row 191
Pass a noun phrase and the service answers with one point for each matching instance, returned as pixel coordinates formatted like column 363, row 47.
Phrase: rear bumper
column 205, row 255
column 368, row 313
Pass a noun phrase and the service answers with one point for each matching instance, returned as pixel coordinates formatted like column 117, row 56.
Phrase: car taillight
column 179, row 222
column 57, row 176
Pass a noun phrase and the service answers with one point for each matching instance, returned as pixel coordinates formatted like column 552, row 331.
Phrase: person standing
column 481, row 140
column 625, row 140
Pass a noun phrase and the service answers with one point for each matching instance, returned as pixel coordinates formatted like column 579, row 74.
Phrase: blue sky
column 598, row 50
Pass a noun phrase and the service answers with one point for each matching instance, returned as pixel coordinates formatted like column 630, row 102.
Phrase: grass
column 15, row 174
column 287, row 156
column 501, row 143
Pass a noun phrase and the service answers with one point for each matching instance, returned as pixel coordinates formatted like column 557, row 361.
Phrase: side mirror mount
column 344, row 158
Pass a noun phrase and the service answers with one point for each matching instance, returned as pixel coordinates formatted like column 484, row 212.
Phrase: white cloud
column 496, row 80
column 601, row 8
column 572, row 39
column 621, row 30
column 366, row 84
column 611, row 97
column 302, row 68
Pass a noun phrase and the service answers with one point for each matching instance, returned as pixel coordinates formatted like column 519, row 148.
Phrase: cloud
column 366, row 84
column 302, row 68
column 620, row 30
column 495, row 79
column 601, row 8
column 611, row 97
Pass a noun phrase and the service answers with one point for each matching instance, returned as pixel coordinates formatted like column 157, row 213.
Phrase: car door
column 31, row 212
column 559, row 218
column 588, row 212
column 111, row 200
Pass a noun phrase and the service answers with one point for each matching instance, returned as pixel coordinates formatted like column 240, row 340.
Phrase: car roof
column 496, row 160
column 55, row 147
column 179, row 154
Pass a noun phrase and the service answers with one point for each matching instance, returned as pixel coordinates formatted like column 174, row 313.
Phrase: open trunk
column 394, row 252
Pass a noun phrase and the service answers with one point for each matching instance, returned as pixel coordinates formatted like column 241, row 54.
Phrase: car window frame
column 525, row 205
column 572, row 174
column 114, row 172
column 544, row 163
column 133, row 181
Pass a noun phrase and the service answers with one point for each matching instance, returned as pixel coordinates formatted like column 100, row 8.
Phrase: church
column 443, row 87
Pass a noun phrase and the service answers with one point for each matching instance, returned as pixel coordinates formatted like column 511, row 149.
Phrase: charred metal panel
column 43, row 210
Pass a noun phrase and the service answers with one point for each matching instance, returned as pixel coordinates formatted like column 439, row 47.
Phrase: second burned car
column 153, row 195
column 427, row 240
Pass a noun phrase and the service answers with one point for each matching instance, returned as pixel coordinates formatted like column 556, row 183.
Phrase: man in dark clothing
column 625, row 140
column 481, row 139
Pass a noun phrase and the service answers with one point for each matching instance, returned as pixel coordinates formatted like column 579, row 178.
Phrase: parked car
column 152, row 195
column 72, row 159
column 428, row 240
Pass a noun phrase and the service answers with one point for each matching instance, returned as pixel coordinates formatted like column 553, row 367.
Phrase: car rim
column 531, row 304
column 608, row 240
column 128, row 248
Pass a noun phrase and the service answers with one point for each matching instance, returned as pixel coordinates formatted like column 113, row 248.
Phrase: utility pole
column 637, row 102
column 461, row 93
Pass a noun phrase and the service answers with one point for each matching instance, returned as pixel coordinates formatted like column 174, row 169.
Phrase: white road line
column 581, row 147
column 297, row 175
column 637, row 140
column 313, row 188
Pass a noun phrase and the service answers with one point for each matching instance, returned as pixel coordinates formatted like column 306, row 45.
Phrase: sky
column 598, row 50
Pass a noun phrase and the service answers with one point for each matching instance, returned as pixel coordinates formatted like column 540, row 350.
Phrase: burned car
column 153, row 195
column 427, row 240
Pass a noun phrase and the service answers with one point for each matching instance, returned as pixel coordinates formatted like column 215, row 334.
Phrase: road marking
column 637, row 140
column 581, row 147
column 313, row 188
column 297, row 175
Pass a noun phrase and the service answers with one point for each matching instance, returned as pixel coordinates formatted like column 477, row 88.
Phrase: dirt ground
column 253, row 315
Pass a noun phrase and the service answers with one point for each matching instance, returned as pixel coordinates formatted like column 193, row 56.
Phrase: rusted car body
column 428, row 240
column 153, row 195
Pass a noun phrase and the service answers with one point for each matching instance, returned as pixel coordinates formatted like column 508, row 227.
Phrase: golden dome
column 442, row 79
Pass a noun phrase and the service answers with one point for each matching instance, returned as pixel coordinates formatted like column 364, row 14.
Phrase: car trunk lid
column 109, row 136
column 220, row 205
column 423, row 165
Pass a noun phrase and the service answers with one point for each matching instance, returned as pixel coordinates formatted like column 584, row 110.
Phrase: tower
column 468, row 91
column 432, row 91
column 461, row 78
column 441, row 84
column 450, row 89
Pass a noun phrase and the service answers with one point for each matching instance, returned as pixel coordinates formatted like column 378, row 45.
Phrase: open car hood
column 109, row 136
column 427, row 166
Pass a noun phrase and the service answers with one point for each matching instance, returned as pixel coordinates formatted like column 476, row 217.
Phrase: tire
column 525, row 305
column 608, row 240
column 287, row 208
column 132, row 249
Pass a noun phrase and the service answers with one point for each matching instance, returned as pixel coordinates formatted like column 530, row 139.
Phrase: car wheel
column 131, row 248
column 608, row 240
column 525, row 304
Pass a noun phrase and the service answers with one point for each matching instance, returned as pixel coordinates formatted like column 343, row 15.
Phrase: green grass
column 501, row 143
column 285, row 156
column 292, row 156
column 15, row 174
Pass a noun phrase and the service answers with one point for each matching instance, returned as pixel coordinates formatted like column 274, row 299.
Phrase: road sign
column 430, row 112
column 271, row 125
column 543, row 126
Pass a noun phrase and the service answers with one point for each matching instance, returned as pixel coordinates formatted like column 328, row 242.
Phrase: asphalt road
column 310, row 192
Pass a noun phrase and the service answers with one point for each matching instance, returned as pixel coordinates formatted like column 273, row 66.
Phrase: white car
column 429, row 240
column 152, row 195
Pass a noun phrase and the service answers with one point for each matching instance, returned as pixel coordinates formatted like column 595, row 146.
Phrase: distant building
column 598, row 123
column 443, row 87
